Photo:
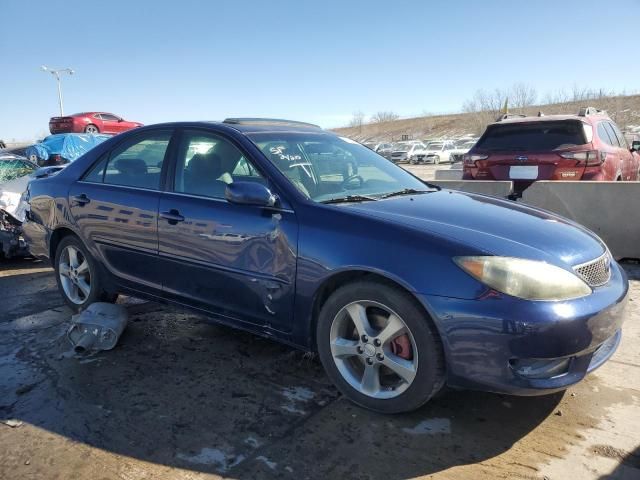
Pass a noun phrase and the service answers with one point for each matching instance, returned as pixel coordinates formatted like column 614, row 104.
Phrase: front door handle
column 172, row 216
column 81, row 199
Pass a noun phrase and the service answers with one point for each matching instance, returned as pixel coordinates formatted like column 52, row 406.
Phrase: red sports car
column 91, row 122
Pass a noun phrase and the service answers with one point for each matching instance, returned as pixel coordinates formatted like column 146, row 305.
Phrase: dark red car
column 587, row 146
column 91, row 122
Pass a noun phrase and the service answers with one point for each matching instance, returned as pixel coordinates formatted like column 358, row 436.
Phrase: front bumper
column 491, row 342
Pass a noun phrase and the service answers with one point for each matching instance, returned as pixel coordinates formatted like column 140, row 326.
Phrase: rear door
column 236, row 261
column 115, row 207
column 625, row 156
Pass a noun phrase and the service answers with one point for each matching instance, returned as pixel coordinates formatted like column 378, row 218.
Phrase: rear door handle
column 172, row 216
column 81, row 199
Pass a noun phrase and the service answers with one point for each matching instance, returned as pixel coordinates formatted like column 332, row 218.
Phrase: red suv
column 587, row 146
column 91, row 122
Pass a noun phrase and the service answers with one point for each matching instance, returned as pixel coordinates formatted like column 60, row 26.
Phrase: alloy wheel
column 91, row 129
column 75, row 275
column 373, row 349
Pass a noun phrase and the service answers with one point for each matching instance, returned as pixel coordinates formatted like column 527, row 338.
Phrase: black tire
column 90, row 128
column 97, row 291
column 430, row 371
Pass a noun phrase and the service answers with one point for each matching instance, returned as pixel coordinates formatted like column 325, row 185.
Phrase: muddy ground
column 180, row 398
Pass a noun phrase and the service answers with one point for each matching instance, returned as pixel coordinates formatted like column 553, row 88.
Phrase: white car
column 439, row 152
column 403, row 151
column 460, row 150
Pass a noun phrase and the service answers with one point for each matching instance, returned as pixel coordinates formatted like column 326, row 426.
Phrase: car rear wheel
column 78, row 276
column 91, row 129
column 379, row 347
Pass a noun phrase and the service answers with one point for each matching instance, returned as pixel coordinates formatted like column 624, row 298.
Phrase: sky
column 318, row 61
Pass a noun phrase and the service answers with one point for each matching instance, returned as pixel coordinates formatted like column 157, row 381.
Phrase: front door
column 235, row 261
column 115, row 207
column 110, row 123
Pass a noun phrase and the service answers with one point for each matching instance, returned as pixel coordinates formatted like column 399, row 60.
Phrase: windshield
column 401, row 147
column 435, row 146
column 325, row 167
column 535, row 136
column 12, row 169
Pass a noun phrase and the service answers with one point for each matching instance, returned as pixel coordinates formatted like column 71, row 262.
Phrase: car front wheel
column 379, row 347
column 77, row 275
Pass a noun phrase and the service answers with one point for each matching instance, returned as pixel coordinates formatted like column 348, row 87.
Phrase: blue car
column 62, row 148
column 296, row 234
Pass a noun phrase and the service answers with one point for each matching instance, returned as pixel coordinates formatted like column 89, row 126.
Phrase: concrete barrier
column 443, row 174
column 610, row 209
column 497, row 189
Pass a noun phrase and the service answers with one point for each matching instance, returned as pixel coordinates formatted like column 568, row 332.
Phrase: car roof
column 549, row 118
column 248, row 126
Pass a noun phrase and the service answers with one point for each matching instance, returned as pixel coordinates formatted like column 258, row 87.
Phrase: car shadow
column 181, row 392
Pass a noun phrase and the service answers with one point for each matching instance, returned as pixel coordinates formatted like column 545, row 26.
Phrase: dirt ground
column 180, row 398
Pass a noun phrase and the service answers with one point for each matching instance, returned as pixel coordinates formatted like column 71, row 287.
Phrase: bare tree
column 384, row 116
column 522, row 96
column 357, row 120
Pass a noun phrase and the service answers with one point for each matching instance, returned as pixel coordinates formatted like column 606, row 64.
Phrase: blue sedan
column 296, row 234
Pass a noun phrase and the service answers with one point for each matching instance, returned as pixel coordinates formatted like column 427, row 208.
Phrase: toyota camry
column 294, row 233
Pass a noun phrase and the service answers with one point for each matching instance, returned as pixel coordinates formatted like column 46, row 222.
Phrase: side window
column 96, row 174
column 138, row 163
column 612, row 134
column 621, row 140
column 109, row 117
column 603, row 133
column 207, row 163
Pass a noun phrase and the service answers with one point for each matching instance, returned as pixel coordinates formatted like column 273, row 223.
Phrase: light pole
column 56, row 73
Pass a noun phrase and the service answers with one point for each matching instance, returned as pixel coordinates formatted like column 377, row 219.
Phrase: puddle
column 296, row 396
column 213, row 456
column 267, row 462
column 430, row 427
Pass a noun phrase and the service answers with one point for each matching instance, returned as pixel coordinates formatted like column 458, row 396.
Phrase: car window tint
column 207, row 163
column 138, row 163
column 612, row 134
column 96, row 173
column 106, row 116
column 604, row 135
column 535, row 136
column 621, row 140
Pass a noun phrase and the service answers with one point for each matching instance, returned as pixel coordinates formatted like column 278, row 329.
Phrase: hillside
column 624, row 110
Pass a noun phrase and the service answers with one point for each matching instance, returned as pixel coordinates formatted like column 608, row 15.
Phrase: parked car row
column 416, row 151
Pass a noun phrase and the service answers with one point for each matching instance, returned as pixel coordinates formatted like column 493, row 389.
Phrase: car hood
column 492, row 225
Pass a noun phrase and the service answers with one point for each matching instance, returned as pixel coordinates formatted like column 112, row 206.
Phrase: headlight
column 528, row 279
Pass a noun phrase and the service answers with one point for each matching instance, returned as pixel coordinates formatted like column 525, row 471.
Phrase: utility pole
column 56, row 73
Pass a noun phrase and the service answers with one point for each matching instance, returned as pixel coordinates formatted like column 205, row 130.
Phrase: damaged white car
column 15, row 174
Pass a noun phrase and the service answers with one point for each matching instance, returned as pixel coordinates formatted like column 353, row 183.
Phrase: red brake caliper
column 401, row 346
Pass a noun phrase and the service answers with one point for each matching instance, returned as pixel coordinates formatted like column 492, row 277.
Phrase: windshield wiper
column 409, row 191
column 350, row 198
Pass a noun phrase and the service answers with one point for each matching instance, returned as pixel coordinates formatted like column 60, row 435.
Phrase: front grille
column 596, row 272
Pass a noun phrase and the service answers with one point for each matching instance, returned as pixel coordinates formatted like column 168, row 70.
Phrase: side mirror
column 635, row 146
column 250, row 193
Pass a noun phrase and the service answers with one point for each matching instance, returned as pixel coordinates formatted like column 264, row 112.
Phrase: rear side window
column 616, row 131
column 607, row 135
column 138, row 162
column 537, row 136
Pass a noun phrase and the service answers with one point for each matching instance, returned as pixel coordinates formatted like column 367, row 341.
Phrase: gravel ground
column 180, row 398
